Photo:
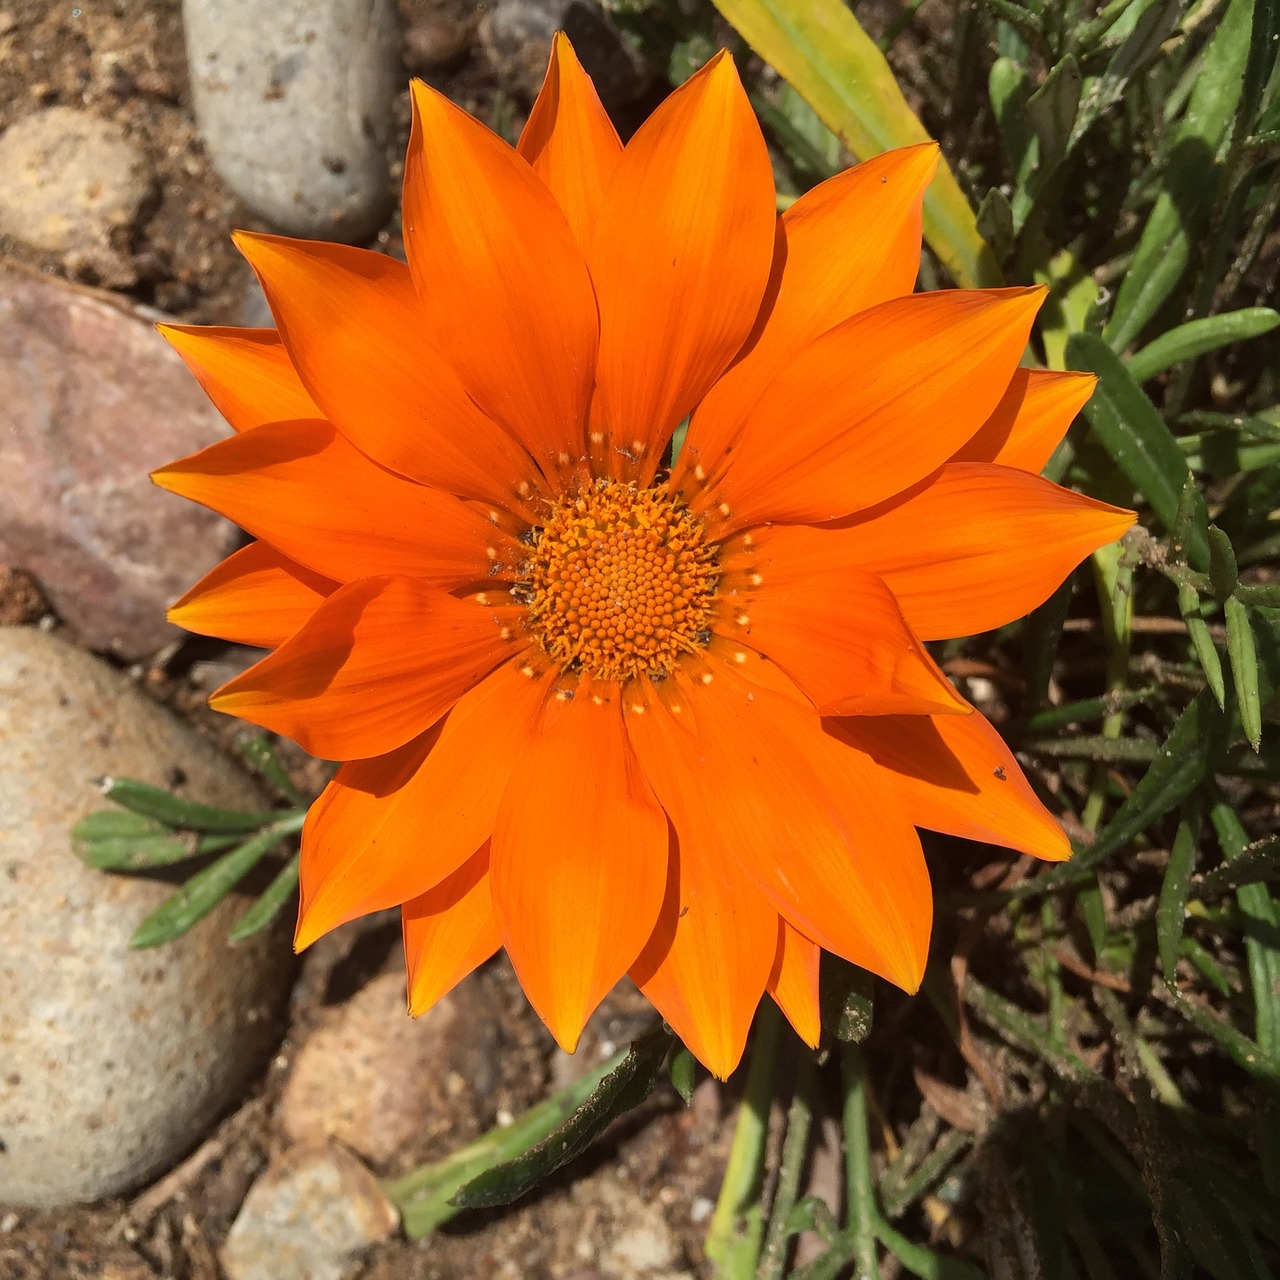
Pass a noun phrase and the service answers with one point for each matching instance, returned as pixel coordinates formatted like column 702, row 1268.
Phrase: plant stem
column 862, row 1212
column 733, row 1239
column 794, row 1150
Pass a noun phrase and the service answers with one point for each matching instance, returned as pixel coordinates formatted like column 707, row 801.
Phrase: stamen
column 620, row 582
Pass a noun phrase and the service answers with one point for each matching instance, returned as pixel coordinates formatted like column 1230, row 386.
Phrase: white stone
column 293, row 98
column 70, row 180
column 113, row 1062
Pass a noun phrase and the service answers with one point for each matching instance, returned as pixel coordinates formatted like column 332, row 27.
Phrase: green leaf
column 995, row 223
column 1189, row 182
column 269, row 902
column 262, row 756
column 1198, row 338
column 163, row 806
column 1194, row 747
column 846, row 997
column 116, row 841
column 1254, row 864
column 1052, row 113
column 924, row 1262
column 173, row 917
column 624, row 1088
column 822, row 50
column 1202, row 642
column 1132, row 431
column 1243, row 655
column 683, row 1071
column 1175, row 889
column 1224, row 575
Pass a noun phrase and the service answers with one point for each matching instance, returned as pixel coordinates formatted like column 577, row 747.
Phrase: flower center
column 620, row 582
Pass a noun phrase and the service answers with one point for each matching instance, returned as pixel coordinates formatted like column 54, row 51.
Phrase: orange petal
column 579, row 861
column 793, row 983
column 835, row 629
column 256, row 596
column 379, row 662
column 874, row 405
column 850, row 243
column 570, row 140
column 808, row 820
column 245, row 372
column 1033, row 415
column 304, row 489
column 979, row 546
column 955, row 774
column 448, row 931
column 512, row 305
column 680, row 260
column 355, row 330
column 705, row 967
column 389, row 829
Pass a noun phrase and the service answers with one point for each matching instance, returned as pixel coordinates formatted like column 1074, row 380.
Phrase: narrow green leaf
column 1191, row 514
column 1189, row 182
column 112, row 840
column 1224, row 575
column 1254, row 864
column 924, row 1262
column 1264, row 50
column 625, row 1087
column 822, row 50
column 1175, row 889
column 1132, row 431
column 995, row 223
column 683, row 1071
column 173, row 917
column 1021, row 20
column 1194, row 747
column 1202, row 642
column 262, row 756
column 1052, row 112
column 1244, row 670
column 163, row 806
column 269, row 902
column 1238, row 1047
column 1198, row 338
column 424, row 1195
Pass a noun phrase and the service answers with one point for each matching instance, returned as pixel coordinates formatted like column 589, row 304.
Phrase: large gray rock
column 73, row 184
column 293, row 98
column 91, row 400
column 113, row 1062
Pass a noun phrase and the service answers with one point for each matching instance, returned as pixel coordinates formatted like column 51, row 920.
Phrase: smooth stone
column 310, row 1216
column 72, row 181
column 294, row 99
column 113, row 1062
column 92, row 400
column 369, row 1075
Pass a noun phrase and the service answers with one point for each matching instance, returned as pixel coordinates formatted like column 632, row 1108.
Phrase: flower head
column 616, row 713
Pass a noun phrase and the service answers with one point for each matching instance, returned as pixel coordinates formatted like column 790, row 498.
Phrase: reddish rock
column 91, row 400
column 370, row 1075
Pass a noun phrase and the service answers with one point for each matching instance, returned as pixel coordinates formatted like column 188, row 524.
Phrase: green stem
column 794, row 1149
column 862, row 1213
column 733, row 1240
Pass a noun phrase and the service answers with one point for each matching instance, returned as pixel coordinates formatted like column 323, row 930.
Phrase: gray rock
column 91, row 400
column 293, row 98
column 516, row 37
column 309, row 1217
column 113, row 1062
column 72, row 184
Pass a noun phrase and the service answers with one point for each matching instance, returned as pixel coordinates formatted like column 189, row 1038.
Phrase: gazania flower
column 616, row 713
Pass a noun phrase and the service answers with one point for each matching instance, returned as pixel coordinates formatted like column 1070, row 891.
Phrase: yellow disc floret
column 620, row 582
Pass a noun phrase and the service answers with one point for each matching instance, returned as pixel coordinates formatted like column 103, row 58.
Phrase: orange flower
column 616, row 715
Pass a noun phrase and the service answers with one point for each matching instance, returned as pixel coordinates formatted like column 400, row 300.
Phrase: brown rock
column 309, row 1217
column 91, row 400
column 370, row 1074
column 20, row 598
